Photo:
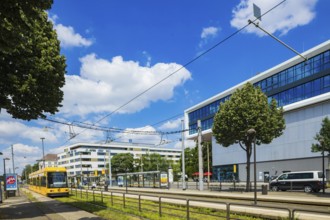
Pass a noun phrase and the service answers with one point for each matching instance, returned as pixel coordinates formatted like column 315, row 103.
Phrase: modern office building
column 91, row 159
column 302, row 88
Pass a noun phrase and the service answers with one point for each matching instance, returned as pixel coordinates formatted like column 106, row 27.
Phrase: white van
column 304, row 180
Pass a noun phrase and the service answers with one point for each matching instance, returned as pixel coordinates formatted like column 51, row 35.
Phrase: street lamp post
column 183, row 173
column 0, row 186
column 252, row 133
column 4, row 172
column 323, row 173
column 43, row 151
column 81, row 170
column 110, row 171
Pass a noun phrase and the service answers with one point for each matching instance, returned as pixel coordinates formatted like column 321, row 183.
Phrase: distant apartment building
column 302, row 88
column 50, row 161
column 90, row 159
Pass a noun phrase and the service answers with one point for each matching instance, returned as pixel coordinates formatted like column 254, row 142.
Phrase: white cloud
column 69, row 38
column 105, row 85
column 67, row 35
column 146, row 135
column 171, row 124
column 10, row 129
column 282, row 19
column 187, row 144
column 207, row 34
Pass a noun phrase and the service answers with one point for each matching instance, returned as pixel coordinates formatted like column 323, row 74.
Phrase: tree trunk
column 248, row 157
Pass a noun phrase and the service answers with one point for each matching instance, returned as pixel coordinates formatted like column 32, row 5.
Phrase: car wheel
column 308, row 189
column 274, row 188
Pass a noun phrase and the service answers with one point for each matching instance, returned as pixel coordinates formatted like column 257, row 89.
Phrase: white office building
column 303, row 89
column 90, row 159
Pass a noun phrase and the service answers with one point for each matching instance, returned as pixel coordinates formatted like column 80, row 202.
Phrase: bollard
column 188, row 217
column 264, row 189
column 160, row 206
column 111, row 198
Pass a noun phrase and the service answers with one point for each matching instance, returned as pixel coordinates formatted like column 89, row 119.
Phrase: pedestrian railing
column 181, row 208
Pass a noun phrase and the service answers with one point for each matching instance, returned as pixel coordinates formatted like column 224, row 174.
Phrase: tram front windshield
column 57, row 180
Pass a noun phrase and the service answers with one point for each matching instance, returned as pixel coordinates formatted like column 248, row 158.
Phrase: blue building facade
column 302, row 88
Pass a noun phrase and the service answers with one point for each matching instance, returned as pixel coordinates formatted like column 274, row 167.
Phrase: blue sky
column 115, row 50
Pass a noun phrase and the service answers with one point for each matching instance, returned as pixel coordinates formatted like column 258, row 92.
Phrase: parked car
column 309, row 181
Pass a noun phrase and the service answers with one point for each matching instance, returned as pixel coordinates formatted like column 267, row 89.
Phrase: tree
column 31, row 67
column 152, row 162
column 191, row 161
column 323, row 138
column 122, row 163
column 248, row 108
column 207, row 146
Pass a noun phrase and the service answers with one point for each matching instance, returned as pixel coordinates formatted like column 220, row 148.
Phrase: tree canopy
column 248, row 108
column 122, row 163
column 152, row 162
column 323, row 137
column 31, row 67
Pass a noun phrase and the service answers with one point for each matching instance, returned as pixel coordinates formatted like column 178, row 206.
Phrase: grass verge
column 128, row 209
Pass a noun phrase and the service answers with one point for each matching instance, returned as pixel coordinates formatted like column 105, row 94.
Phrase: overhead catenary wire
column 182, row 67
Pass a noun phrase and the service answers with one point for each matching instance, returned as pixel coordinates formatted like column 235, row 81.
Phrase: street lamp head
column 6, row 158
column 251, row 132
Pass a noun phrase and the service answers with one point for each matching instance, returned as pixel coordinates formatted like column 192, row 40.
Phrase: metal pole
column 80, row 169
column 278, row 40
column 0, row 186
column 252, row 133
column 4, row 172
column 126, row 181
column 43, row 151
column 208, row 166
column 183, row 158
column 110, row 171
column 255, row 170
column 12, row 157
column 105, row 173
column 323, row 172
column 200, row 156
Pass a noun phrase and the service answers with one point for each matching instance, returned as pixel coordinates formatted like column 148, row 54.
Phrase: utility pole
column 183, row 173
column 208, row 165
column 12, row 157
column 200, row 155
column 43, row 151
column 110, row 171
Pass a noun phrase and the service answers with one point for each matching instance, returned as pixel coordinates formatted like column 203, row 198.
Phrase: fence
column 185, row 208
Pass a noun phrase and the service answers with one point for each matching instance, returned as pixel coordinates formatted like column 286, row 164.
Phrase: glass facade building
column 302, row 88
column 298, row 82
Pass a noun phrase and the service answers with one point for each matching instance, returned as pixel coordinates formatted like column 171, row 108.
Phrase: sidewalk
column 19, row 207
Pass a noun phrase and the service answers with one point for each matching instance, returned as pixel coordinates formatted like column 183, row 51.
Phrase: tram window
column 43, row 181
column 57, row 179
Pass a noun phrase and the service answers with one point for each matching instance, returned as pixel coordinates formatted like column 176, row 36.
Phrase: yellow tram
column 50, row 181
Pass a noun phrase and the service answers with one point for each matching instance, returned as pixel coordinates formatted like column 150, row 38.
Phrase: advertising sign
column 11, row 181
column 163, row 180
